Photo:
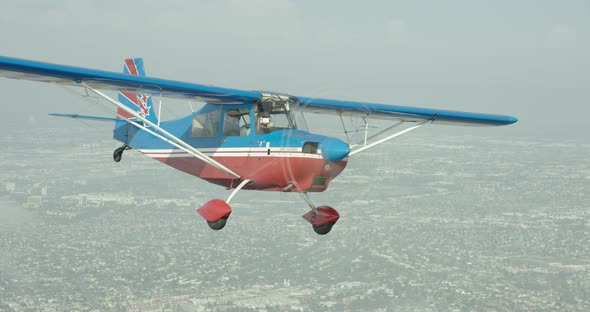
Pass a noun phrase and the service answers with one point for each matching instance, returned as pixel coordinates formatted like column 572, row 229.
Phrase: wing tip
column 510, row 120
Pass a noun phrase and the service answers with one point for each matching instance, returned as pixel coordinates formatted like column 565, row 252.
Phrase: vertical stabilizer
column 137, row 101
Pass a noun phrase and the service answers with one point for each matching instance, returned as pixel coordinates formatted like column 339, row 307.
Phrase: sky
column 529, row 59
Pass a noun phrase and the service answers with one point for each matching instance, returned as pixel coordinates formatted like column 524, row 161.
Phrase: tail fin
column 137, row 101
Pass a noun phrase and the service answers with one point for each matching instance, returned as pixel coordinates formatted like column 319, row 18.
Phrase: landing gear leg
column 118, row 153
column 321, row 218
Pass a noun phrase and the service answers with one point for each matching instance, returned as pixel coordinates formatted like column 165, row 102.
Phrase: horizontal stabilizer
column 76, row 116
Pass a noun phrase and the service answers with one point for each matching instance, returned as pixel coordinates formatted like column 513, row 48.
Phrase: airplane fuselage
column 280, row 160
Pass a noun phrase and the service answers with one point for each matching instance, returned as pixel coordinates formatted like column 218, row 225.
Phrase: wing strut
column 167, row 136
column 379, row 133
column 343, row 126
column 365, row 147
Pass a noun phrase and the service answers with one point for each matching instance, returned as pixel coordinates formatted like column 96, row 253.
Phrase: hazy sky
column 529, row 59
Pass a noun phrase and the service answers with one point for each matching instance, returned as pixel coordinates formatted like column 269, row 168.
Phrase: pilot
column 264, row 121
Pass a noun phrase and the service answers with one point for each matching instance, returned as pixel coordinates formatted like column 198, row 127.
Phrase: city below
column 428, row 223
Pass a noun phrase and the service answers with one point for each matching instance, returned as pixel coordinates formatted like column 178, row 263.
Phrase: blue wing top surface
column 69, row 75
column 403, row 113
column 105, row 80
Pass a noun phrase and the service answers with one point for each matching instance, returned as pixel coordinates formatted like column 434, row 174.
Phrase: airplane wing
column 105, row 80
column 401, row 113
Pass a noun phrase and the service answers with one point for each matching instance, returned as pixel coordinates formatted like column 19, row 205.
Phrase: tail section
column 137, row 101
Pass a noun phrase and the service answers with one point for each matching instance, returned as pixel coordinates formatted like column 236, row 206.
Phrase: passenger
column 231, row 124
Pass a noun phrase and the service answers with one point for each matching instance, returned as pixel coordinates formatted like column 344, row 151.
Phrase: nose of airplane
column 334, row 149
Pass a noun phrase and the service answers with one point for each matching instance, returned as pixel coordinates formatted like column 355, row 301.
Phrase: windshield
column 274, row 114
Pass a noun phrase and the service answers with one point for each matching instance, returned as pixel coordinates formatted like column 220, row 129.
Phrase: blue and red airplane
column 239, row 139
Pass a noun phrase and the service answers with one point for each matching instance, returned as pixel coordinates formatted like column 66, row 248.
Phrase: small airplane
column 239, row 139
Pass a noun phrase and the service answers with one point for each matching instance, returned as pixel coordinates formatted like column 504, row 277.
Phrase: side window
column 207, row 124
column 236, row 122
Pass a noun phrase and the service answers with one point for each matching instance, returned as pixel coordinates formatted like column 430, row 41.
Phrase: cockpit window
column 274, row 114
column 236, row 122
column 206, row 124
